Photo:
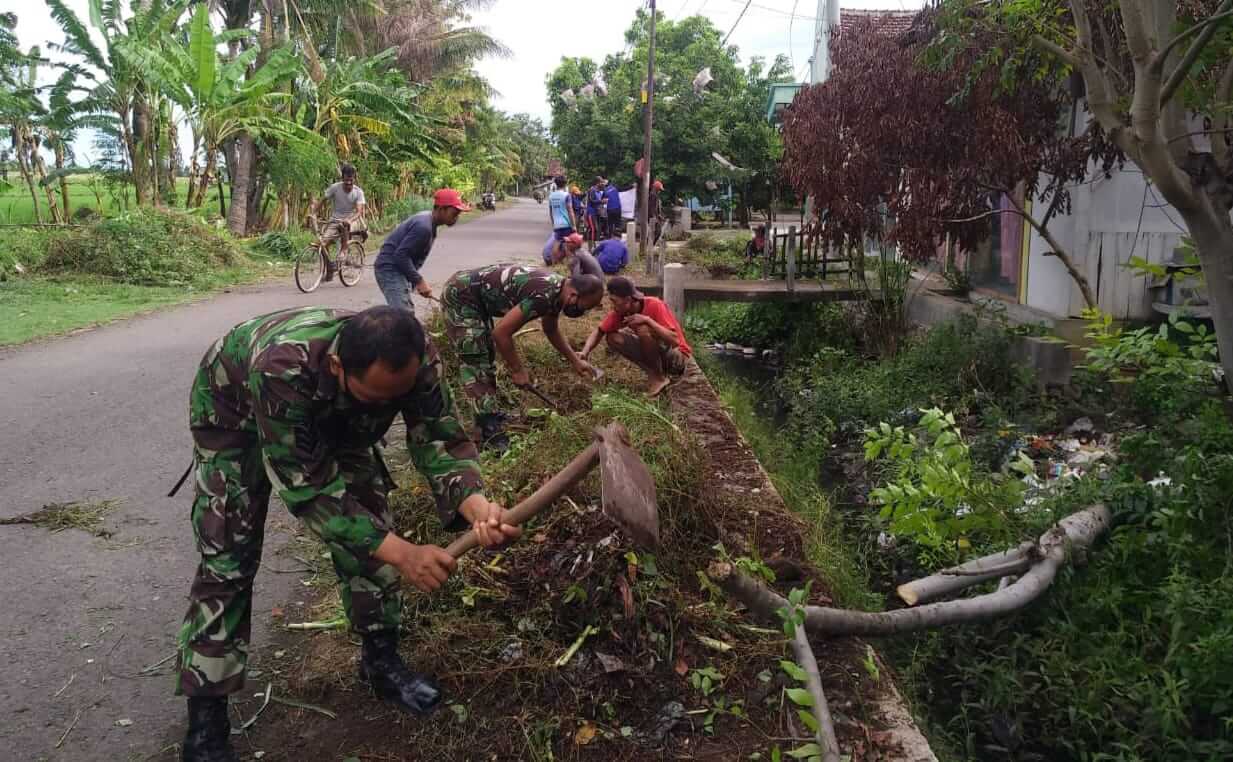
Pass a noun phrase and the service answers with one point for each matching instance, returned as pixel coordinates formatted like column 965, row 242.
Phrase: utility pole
column 648, row 117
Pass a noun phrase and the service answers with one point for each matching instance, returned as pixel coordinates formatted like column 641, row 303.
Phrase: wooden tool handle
column 543, row 497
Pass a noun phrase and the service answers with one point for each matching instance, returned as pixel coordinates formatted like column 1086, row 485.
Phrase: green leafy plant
column 934, row 495
column 1172, row 366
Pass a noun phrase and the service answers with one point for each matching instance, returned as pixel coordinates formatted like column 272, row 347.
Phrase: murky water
column 759, row 378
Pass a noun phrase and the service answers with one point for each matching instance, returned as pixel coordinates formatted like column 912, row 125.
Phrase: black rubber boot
column 384, row 669
column 209, row 731
column 492, row 432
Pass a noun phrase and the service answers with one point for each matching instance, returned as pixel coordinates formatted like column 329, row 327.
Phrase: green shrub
column 936, row 496
column 397, row 211
column 960, row 365
column 790, row 328
column 22, row 249
column 144, row 247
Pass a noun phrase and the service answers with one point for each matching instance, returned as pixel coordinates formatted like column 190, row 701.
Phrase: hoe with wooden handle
column 627, row 491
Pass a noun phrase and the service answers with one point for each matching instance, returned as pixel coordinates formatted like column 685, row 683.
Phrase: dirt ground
column 573, row 644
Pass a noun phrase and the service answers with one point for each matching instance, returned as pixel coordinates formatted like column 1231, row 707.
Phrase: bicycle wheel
column 309, row 269
column 351, row 264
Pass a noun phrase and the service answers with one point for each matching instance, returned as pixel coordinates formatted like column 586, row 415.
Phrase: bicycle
column 316, row 262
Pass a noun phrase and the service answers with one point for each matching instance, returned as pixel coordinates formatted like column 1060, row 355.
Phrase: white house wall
column 1112, row 219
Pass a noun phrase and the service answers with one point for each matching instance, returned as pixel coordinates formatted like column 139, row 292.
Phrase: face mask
column 574, row 310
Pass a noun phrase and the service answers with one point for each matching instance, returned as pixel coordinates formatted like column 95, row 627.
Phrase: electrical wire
column 779, row 11
column 791, row 39
column 736, row 23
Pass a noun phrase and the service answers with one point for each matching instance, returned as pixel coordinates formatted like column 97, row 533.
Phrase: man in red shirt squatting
column 643, row 330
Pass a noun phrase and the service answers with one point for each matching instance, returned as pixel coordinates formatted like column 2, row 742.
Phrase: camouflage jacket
column 497, row 289
column 267, row 382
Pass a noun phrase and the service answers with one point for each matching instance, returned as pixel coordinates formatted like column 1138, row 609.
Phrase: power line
column 791, row 39
column 778, row 11
column 736, row 23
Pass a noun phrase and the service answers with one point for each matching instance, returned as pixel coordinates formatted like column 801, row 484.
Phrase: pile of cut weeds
column 574, row 643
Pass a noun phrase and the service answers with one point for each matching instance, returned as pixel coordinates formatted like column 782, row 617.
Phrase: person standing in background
column 597, row 210
column 561, row 210
column 613, row 198
column 577, row 202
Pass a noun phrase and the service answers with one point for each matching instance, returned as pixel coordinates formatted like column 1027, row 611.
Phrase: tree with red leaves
column 896, row 147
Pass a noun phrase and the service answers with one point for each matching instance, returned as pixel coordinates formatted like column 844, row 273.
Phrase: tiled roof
column 891, row 23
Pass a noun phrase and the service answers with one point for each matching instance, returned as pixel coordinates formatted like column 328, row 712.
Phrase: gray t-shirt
column 582, row 263
column 344, row 202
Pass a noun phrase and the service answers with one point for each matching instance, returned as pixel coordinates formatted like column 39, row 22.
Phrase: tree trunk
column 256, row 195
column 64, row 192
column 241, row 176
column 222, row 200
column 24, row 165
column 203, row 180
column 171, row 154
column 40, row 169
column 193, row 174
column 139, row 141
column 1213, row 237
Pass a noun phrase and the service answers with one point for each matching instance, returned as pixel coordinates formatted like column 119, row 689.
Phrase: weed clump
column 145, row 247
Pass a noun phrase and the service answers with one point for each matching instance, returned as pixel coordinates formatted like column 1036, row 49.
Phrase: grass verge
column 794, row 472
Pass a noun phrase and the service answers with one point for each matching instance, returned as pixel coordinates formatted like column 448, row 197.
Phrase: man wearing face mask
column 294, row 403
column 485, row 307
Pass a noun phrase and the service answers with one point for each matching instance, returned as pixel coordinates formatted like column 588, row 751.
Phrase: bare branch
column 1207, row 30
column 974, row 572
column 1060, row 252
column 1068, row 56
column 1079, row 530
column 813, row 683
column 1185, row 135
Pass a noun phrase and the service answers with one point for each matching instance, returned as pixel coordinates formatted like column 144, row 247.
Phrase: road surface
column 103, row 415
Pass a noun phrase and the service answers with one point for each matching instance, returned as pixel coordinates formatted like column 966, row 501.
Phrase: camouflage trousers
column 228, row 517
column 470, row 331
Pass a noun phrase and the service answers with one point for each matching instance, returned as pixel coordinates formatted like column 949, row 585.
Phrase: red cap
column 657, row 185
column 573, row 239
column 450, row 197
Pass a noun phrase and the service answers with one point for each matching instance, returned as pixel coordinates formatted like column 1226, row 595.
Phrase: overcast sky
column 540, row 33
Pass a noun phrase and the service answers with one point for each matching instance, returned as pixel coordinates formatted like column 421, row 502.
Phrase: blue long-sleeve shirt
column 614, row 200
column 612, row 255
column 406, row 249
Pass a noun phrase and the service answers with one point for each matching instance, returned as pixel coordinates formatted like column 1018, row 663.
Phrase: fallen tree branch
column 813, row 683
column 1081, row 530
column 1008, row 563
column 974, row 572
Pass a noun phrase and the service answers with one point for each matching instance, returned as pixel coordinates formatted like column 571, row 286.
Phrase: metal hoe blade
column 627, row 488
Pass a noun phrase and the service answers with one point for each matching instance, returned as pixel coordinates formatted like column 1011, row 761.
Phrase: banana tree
column 220, row 103
column 115, row 86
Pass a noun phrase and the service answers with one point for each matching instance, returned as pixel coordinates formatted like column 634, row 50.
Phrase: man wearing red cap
column 643, row 330
column 570, row 248
column 406, row 248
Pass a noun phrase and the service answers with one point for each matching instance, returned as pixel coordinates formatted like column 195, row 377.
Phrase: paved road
column 102, row 415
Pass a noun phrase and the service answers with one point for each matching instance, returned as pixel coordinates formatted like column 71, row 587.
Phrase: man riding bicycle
column 347, row 217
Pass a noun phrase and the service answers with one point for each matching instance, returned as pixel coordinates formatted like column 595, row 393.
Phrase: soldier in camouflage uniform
column 485, row 307
column 295, row 403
